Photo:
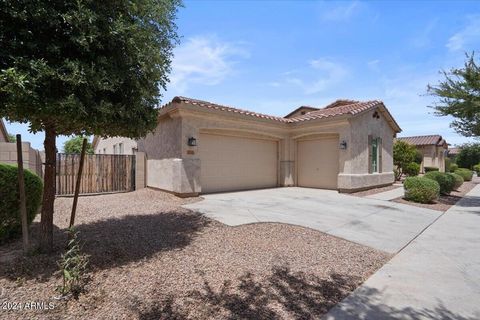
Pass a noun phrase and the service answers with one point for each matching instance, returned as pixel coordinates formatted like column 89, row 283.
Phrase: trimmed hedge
column 453, row 167
column 465, row 173
column 445, row 181
column 430, row 169
column 476, row 168
column 412, row 169
column 420, row 189
column 10, row 221
column 458, row 179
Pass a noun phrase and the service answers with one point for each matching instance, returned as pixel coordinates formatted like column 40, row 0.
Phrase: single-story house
column 114, row 145
column 453, row 152
column 433, row 147
column 204, row 147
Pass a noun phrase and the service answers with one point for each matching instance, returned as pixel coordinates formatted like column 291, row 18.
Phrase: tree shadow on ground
column 115, row 241
column 287, row 295
column 365, row 303
column 283, row 294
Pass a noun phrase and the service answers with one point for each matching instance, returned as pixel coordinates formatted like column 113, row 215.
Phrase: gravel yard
column 444, row 202
column 151, row 259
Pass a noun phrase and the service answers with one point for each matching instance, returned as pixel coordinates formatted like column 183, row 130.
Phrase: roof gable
column 303, row 110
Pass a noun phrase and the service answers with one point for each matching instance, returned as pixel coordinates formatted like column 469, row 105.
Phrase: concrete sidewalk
column 388, row 195
column 437, row 276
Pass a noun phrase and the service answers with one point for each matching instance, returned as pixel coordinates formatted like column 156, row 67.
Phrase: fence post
column 21, row 192
column 77, row 185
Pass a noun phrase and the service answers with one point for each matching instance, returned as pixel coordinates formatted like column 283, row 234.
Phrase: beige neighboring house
column 8, row 152
column 203, row 147
column 115, row 145
column 434, row 149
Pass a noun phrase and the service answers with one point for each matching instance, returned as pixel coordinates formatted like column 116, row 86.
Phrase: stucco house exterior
column 114, row 145
column 204, row 147
column 434, row 149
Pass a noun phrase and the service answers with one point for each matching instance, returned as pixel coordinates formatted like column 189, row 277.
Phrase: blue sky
column 272, row 57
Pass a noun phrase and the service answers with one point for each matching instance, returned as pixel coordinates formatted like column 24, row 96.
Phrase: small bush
column 465, row 173
column 419, row 189
column 412, row 169
column 476, row 168
column 430, row 169
column 445, row 181
column 453, row 167
column 458, row 180
column 10, row 221
column 418, row 157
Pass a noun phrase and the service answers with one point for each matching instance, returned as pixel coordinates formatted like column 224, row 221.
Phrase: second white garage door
column 236, row 163
column 317, row 162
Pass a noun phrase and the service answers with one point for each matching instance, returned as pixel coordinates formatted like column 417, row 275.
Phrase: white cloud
column 374, row 65
column 341, row 12
column 468, row 35
column 204, row 60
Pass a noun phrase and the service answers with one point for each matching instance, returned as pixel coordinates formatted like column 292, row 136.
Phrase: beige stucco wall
column 433, row 156
column 31, row 157
column 174, row 166
column 105, row 145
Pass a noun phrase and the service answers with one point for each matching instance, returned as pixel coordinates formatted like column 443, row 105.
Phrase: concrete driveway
column 383, row 225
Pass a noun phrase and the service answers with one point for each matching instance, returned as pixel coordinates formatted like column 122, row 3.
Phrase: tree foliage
column 459, row 96
column 74, row 145
column 403, row 154
column 83, row 67
column 469, row 155
column 12, row 138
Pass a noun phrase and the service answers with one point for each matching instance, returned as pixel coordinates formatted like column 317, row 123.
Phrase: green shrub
column 412, row 169
column 10, row 222
column 453, row 167
column 458, row 180
column 465, row 173
column 420, row 189
column 418, row 157
column 445, row 181
column 476, row 168
column 429, row 169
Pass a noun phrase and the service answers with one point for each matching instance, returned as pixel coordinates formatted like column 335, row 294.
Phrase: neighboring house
column 433, row 147
column 203, row 147
column 3, row 132
column 8, row 152
column 115, row 145
column 453, row 152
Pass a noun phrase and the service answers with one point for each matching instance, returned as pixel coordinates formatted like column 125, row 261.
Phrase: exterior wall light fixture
column 192, row 142
column 343, row 145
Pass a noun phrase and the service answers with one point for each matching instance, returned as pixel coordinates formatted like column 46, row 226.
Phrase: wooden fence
column 101, row 173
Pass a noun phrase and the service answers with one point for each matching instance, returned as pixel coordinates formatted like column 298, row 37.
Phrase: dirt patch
column 373, row 191
column 152, row 259
column 446, row 201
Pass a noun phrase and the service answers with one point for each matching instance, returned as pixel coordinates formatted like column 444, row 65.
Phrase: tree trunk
column 46, row 222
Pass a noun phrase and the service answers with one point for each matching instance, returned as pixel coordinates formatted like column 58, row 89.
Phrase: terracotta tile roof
column 434, row 139
column 337, row 108
column 341, row 108
column 210, row 105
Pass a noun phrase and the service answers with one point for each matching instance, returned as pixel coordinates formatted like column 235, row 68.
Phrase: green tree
column 459, row 97
column 74, row 145
column 12, row 138
column 403, row 154
column 83, row 67
column 469, row 155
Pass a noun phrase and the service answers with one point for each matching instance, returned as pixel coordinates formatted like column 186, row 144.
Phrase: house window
column 375, row 154
column 120, row 148
column 114, row 149
column 104, row 150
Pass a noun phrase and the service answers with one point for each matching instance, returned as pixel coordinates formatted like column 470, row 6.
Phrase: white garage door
column 236, row 163
column 318, row 163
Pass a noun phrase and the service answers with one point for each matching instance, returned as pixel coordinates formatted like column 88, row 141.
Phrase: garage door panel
column 234, row 163
column 318, row 163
